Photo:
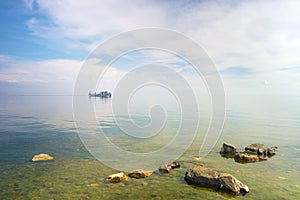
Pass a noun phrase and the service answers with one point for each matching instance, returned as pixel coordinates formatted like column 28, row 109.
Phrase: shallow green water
column 32, row 125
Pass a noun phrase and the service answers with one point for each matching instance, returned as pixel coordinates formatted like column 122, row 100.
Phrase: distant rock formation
column 41, row 157
column 260, row 150
column 253, row 153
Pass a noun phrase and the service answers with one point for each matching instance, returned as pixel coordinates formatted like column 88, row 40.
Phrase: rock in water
column 139, row 173
column 230, row 184
column 247, row 158
column 209, row 178
column 116, row 178
column 260, row 150
column 203, row 177
column 253, row 153
column 271, row 151
column 228, row 149
column 41, row 157
column 167, row 167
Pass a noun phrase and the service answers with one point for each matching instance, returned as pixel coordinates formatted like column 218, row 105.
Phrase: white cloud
column 260, row 35
column 5, row 58
column 256, row 34
column 80, row 24
column 46, row 71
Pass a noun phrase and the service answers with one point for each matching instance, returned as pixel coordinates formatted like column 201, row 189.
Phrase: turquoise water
column 44, row 124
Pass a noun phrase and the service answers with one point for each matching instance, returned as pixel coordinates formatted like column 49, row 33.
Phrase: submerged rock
column 228, row 149
column 188, row 164
column 209, row 178
column 198, row 158
column 116, row 178
column 167, row 167
column 139, row 173
column 247, row 158
column 41, row 157
column 94, row 185
column 144, row 183
column 260, row 150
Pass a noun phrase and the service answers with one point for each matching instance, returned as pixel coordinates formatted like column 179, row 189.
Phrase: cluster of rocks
column 137, row 173
column 252, row 153
column 260, row 150
column 209, row 178
column 140, row 173
column 198, row 174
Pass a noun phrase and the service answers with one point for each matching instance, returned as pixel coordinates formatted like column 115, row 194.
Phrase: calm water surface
column 44, row 124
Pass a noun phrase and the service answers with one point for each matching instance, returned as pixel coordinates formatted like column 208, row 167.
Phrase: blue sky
column 19, row 40
column 254, row 44
column 15, row 37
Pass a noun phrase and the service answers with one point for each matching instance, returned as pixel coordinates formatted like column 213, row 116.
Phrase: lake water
column 31, row 125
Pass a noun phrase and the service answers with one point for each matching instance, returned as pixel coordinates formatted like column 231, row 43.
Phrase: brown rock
column 116, row 178
column 260, row 150
column 228, row 149
column 230, row 184
column 271, row 151
column 167, row 167
column 209, row 178
column 247, row 158
column 139, row 173
column 41, row 157
column 203, row 177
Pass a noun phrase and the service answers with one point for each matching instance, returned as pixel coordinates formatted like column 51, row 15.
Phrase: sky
column 255, row 45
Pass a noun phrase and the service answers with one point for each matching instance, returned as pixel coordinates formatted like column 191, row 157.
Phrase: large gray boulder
column 203, row 177
column 209, row 178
